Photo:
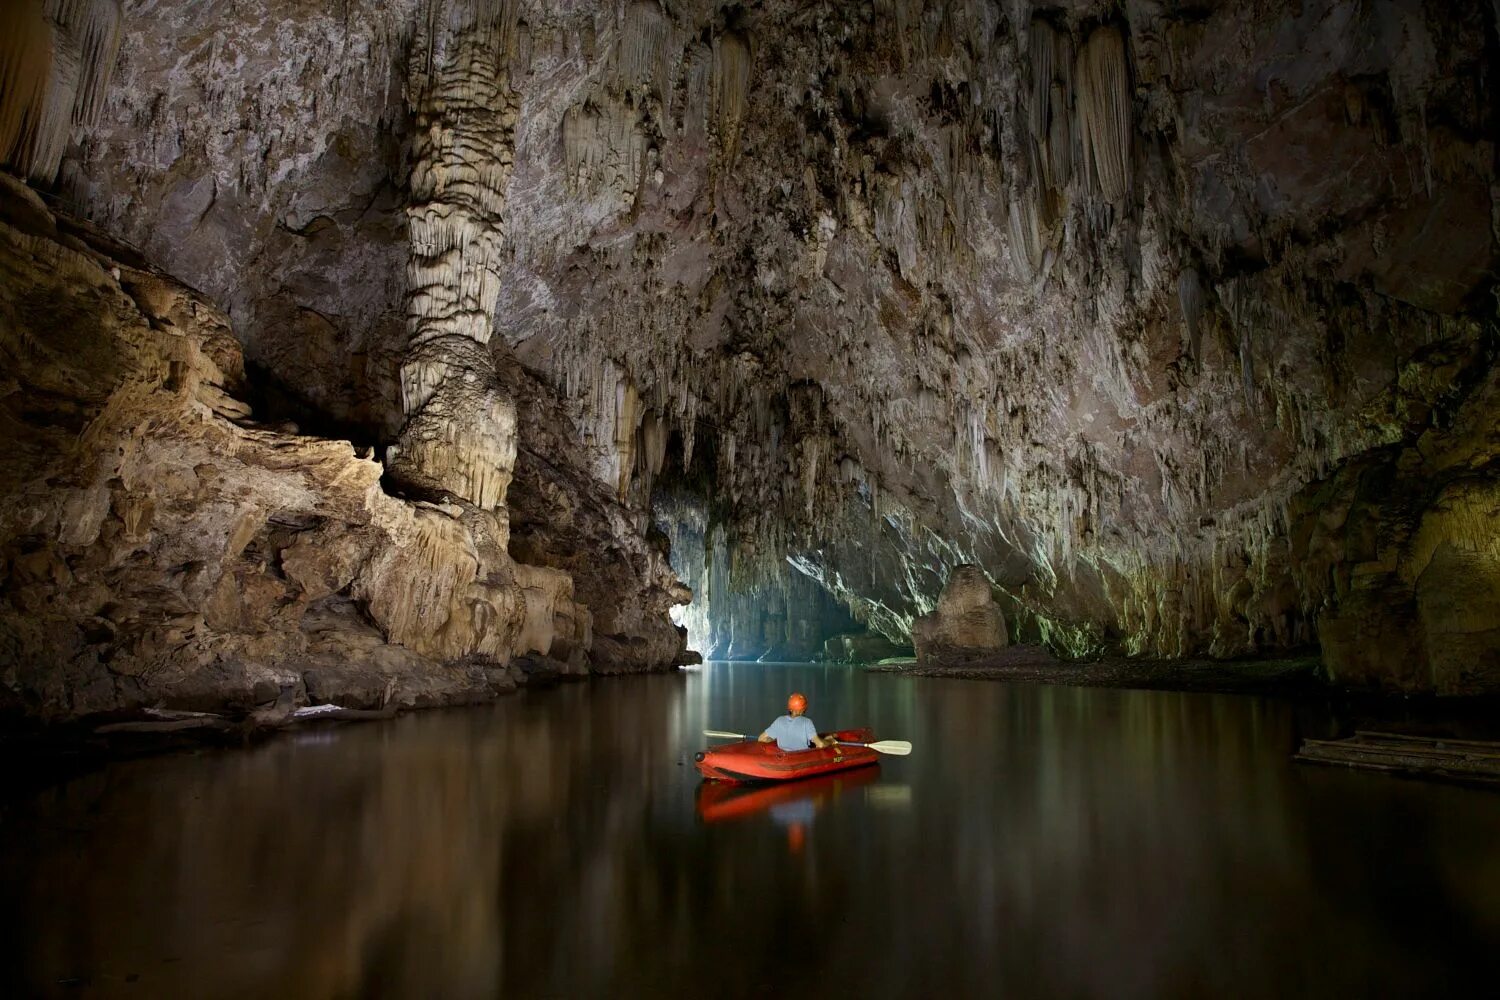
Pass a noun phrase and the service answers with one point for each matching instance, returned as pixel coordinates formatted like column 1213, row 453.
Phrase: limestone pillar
column 460, row 431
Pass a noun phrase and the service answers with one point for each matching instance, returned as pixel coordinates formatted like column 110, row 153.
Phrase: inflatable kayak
column 748, row 760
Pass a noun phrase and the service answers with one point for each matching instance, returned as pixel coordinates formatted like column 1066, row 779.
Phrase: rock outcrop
column 966, row 624
column 565, row 519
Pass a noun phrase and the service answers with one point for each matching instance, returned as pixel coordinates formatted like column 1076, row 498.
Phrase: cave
column 1055, row 363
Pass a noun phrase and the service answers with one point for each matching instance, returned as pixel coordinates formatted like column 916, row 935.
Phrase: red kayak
column 749, row 760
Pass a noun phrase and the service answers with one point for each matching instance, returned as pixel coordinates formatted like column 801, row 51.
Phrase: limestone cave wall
column 164, row 549
column 1176, row 319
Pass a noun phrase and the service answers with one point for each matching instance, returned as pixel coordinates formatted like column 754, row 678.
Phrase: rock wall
column 1105, row 298
column 563, row 518
column 1094, row 298
column 162, row 549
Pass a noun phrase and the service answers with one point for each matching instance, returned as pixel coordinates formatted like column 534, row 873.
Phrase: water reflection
column 793, row 806
column 1047, row 841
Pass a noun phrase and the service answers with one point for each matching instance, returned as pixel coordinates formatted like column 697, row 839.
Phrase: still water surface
column 1041, row 841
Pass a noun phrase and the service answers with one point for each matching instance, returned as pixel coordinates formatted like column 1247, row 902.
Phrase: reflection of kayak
column 752, row 761
column 719, row 801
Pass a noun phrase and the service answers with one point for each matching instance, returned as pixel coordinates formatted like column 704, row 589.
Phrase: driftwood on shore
column 281, row 714
column 198, row 722
column 1473, row 761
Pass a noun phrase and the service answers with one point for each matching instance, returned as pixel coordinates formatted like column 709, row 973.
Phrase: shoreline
column 1297, row 675
column 1298, row 680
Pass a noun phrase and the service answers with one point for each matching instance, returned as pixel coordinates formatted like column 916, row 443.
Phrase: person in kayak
column 795, row 731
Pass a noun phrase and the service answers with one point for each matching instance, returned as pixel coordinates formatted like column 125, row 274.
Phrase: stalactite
column 1190, row 298
column 1102, row 80
column 25, row 69
column 644, row 57
column 1027, row 239
column 731, row 87
column 811, row 451
column 56, row 59
column 604, row 152
column 1049, row 107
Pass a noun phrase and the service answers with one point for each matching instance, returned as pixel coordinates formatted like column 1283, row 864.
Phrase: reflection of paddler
column 719, row 802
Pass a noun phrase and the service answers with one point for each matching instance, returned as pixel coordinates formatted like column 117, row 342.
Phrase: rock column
column 460, row 431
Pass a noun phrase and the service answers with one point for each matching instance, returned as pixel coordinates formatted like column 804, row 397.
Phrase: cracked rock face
column 1176, row 320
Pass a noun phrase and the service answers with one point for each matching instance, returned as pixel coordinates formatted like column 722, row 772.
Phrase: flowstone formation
column 1177, row 320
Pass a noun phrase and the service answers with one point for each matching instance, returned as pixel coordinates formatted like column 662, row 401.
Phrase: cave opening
column 742, row 608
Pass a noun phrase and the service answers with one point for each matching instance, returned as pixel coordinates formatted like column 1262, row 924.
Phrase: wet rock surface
column 861, row 647
column 1289, row 676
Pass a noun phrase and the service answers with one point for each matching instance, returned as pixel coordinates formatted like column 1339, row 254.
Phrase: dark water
column 1040, row 842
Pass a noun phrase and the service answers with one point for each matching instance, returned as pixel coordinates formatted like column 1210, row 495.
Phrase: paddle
column 897, row 748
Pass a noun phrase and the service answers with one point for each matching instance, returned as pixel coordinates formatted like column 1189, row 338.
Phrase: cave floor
column 1041, row 840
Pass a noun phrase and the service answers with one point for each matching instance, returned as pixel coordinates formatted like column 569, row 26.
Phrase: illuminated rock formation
column 460, row 430
column 164, row 550
column 1175, row 320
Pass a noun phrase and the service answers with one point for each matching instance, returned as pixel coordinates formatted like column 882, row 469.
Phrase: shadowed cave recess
column 397, row 353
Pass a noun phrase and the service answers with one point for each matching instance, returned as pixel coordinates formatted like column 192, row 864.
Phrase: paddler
column 795, row 731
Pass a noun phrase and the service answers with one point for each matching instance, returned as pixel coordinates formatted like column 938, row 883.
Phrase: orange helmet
column 796, row 703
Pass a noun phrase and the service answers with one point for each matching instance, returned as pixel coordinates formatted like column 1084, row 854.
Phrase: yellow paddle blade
column 717, row 735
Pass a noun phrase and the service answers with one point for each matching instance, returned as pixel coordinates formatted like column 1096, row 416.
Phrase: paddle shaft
column 899, row 748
